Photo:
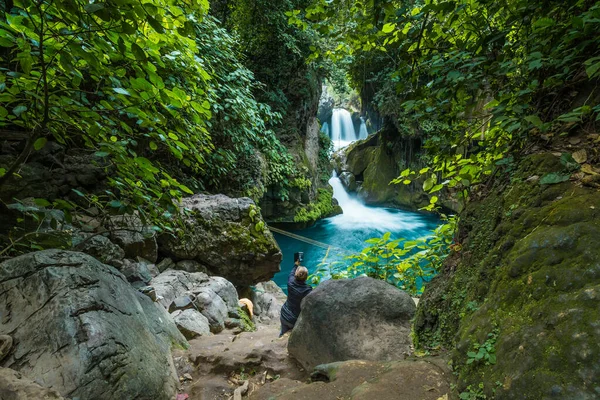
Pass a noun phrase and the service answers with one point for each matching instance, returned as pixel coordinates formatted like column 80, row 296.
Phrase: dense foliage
column 120, row 79
column 154, row 93
column 478, row 79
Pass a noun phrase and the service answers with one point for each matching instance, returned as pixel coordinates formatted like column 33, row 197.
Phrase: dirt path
column 214, row 366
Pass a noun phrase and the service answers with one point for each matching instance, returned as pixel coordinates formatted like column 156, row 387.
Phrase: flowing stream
column 349, row 231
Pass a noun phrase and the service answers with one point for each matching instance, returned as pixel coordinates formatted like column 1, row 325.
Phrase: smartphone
column 298, row 256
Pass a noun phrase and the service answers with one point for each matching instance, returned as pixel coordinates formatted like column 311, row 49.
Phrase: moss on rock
column 530, row 271
column 323, row 207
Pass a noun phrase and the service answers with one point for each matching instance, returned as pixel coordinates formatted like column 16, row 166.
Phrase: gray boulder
column 228, row 237
column 362, row 319
column 268, row 299
column 213, row 297
column 83, row 330
column 191, row 323
column 213, row 308
column 137, row 273
column 138, row 240
column 172, row 284
column 99, row 247
column 190, row 266
column 349, row 181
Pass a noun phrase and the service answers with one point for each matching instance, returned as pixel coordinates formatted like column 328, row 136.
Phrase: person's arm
column 292, row 275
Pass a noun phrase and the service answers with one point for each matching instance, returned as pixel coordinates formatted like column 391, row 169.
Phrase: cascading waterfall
column 359, row 216
column 362, row 133
column 342, row 128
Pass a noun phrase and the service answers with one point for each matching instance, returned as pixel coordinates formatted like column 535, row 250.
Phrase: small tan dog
column 248, row 306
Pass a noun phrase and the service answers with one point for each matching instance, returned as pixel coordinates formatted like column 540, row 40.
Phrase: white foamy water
column 358, row 216
column 342, row 130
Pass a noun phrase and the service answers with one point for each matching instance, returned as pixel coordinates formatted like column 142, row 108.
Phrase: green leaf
column 388, row 28
column 115, row 204
column 153, row 146
column 42, row 202
column 40, row 143
column 138, row 53
column 78, row 193
column 155, row 24
column 122, row 91
column 2, row 172
column 428, row 184
column 433, row 200
column 18, row 110
column 92, row 8
column 535, row 120
column 553, row 178
column 592, row 66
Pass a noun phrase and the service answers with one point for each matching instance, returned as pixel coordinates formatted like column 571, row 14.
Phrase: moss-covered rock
column 527, row 282
column 227, row 236
column 374, row 163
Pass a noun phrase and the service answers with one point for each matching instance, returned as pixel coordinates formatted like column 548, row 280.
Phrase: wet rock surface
column 347, row 319
column 82, row 329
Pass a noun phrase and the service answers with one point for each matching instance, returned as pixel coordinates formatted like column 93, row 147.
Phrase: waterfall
column 358, row 216
column 342, row 129
column 362, row 133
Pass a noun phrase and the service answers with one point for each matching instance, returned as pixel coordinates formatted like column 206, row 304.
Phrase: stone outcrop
column 14, row 386
column 228, row 237
column 525, row 287
column 368, row 166
column 99, row 247
column 82, row 329
column 359, row 318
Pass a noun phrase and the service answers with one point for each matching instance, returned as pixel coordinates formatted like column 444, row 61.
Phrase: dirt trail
column 214, row 366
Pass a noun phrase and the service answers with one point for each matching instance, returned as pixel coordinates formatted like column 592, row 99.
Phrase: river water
column 349, row 231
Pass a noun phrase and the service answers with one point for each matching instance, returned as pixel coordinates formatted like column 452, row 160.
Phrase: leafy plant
column 484, row 353
column 409, row 265
column 120, row 79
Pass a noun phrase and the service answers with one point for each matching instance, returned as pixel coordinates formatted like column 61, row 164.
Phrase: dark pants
column 285, row 326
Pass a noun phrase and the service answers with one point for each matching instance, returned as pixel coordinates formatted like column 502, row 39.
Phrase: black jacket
column 296, row 292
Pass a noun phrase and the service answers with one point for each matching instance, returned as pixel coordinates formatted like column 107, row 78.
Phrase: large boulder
column 81, row 328
column 228, row 237
column 525, row 289
column 348, row 319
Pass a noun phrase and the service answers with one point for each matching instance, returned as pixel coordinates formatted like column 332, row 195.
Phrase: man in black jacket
column 297, row 290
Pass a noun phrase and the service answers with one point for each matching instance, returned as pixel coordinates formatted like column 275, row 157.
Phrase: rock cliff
column 519, row 303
